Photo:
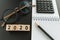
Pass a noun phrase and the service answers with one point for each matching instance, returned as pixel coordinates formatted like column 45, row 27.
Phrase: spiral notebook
column 45, row 16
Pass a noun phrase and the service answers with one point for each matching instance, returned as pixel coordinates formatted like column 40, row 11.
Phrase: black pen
column 45, row 32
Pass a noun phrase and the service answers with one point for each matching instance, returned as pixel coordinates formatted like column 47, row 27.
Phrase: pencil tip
column 36, row 24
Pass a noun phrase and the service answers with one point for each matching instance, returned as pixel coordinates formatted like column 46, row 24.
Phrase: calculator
column 44, row 6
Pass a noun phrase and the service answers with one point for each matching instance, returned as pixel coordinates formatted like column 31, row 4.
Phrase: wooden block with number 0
column 17, row 27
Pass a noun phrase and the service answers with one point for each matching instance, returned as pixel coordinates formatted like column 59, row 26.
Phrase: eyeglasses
column 10, row 16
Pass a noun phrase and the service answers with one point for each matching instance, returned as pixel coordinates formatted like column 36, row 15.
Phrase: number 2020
column 15, row 27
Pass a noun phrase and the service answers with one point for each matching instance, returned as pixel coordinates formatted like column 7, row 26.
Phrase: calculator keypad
column 44, row 6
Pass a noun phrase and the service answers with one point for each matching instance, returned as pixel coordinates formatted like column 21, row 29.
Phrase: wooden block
column 17, row 27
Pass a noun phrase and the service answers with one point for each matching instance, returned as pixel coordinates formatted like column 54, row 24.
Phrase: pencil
column 44, row 31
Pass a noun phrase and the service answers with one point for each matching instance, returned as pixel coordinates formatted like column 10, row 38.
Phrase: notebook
column 49, row 22
column 51, row 27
